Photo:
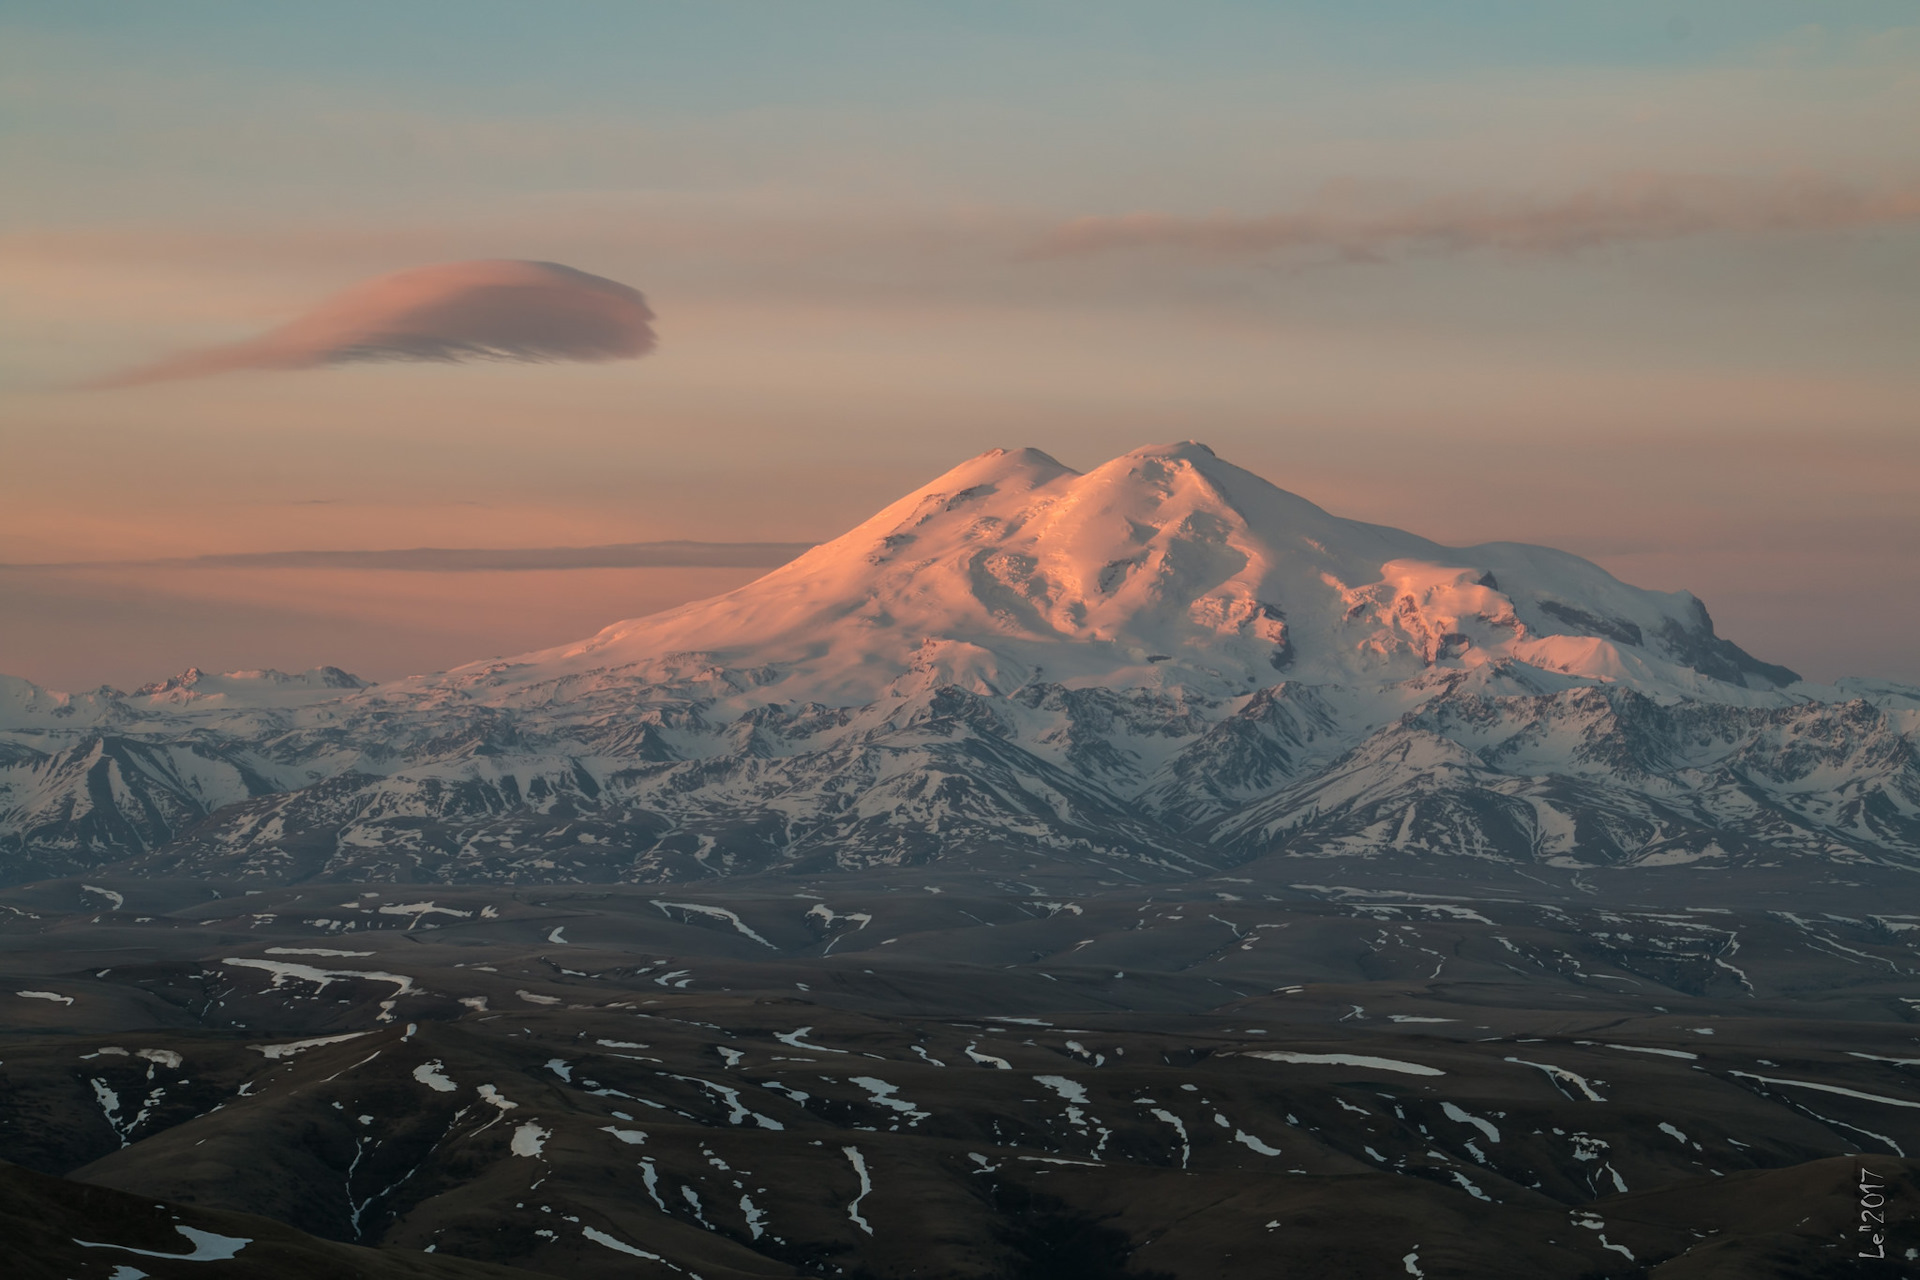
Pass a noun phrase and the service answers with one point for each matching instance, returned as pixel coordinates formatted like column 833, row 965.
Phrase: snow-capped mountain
column 1012, row 568
column 1162, row 665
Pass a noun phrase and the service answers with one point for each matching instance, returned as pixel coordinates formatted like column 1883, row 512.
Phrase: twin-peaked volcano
column 1165, row 566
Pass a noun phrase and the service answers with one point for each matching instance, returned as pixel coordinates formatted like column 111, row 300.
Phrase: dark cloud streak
column 626, row 555
column 496, row 309
column 1354, row 224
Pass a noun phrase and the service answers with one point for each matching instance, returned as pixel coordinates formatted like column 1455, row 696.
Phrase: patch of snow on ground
column 1830, row 1088
column 1460, row 1115
column 987, row 1059
column 530, row 1139
column 737, row 1110
column 117, row 900
column 718, row 913
column 828, row 915
column 1593, row 1222
column 650, row 1176
column 1665, row 1053
column 756, row 1217
column 1344, row 1060
column 619, row 1246
column 885, row 1095
column 859, row 1163
column 1558, row 1074
column 292, row 1047
column 1676, row 1135
column 207, row 1246
column 283, row 971
column 433, row 1075
column 1071, row 1090
column 1468, row 1186
column 419, row 909
column 793, row 1039
column 493, row 1098
column 109, row 1102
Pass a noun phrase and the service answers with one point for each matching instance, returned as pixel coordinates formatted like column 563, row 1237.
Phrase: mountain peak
column 999, row 465
column 1181, row 450
column 1165, row 566
column 185, row 680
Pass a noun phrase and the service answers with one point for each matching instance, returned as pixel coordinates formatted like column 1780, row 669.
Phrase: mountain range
column 1160, row 668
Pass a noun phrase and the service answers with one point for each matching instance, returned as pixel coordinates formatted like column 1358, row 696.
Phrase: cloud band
column 1344, row 222
column 625, row 555
column 497, row 309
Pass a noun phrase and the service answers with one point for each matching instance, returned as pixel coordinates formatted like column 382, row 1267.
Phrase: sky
column 1641, row 281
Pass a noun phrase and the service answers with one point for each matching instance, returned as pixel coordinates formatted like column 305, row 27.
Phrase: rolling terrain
column 961, row 1075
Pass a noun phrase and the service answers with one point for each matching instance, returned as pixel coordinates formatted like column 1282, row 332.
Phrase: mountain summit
column 1159, row 667
column 1165, row 566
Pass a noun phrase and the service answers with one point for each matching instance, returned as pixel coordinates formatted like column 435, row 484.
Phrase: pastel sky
column 1639, row 280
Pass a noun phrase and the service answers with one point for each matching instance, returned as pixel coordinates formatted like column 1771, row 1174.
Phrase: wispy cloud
column 1350, row 221
column 625, row 555
column 486, row 310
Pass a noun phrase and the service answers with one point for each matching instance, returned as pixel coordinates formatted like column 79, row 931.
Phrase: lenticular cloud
column 458, row 311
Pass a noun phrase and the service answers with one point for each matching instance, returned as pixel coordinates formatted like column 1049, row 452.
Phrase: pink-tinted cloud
column 1347, row 222
column 495, row 309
